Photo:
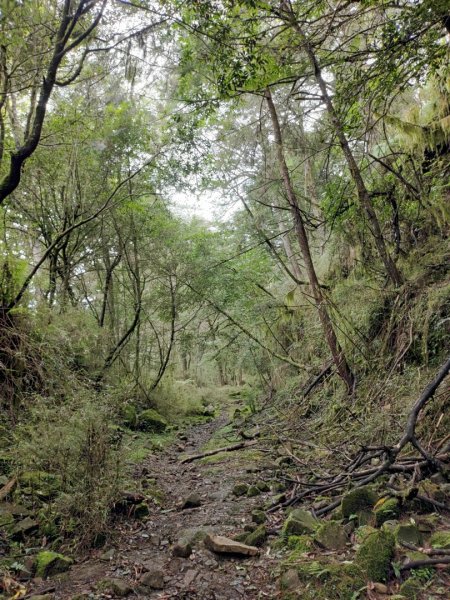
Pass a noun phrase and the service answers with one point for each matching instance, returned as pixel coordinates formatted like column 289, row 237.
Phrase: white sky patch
column 211, row 205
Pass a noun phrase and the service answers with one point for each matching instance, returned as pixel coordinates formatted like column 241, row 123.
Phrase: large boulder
column 150, row 420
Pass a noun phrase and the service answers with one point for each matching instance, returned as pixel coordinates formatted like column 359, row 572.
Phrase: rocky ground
column 165, row 544
column 164, row 555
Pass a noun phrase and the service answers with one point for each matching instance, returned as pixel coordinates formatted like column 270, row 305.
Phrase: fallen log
column 238, row 446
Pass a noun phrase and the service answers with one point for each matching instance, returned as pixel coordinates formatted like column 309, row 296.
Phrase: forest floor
column 142, row 551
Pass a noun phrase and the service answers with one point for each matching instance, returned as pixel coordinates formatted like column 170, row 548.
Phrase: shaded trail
column 148, row 545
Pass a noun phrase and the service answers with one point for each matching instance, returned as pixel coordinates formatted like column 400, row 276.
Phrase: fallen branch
column 417, row 564
column 391, row 463
column 238, row 446
column 326, row 370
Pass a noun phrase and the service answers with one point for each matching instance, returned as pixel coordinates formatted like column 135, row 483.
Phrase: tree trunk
column 363, row 194
column 319, row 299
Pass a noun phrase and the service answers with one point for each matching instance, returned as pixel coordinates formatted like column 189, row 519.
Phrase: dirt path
column 148, row 546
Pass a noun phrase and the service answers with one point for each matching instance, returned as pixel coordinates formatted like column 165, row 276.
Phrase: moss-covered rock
column 253, row 491
column 440, row 539
column 298, row 522
column 150, row 420
column 51, row 563
column 409, row 533
column 375, row 554
column 299, row 544
column 240, row 489
column 141, row 510
column 385, row 510
column 130, row 416
column 359, row 502
column 118, row 587
column 263, row 486
column 362, row 532
column 259, row 516
column 257, row 537
column 331, row 535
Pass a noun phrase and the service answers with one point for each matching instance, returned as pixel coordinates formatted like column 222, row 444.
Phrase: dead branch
column 357, row 476
column 238, row 446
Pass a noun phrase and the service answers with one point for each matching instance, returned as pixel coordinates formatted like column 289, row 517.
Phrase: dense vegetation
column 318, row 288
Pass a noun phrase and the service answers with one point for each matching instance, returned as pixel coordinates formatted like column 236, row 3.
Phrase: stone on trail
column 118, row 587
column 192, row 501
column 154, row 578
column 409, row 533
column 141, row 511
column 257, row 537
column 223, row 545
column 182, row 549
column 253, row 491
column 23, row 528
column 240, row 489
column 258, row 516
column 360, row 502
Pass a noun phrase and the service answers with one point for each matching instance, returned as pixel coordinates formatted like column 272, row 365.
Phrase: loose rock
column 223, row 545
column 192, row 501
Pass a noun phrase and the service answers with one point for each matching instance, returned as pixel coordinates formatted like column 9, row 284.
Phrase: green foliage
column 77, row 451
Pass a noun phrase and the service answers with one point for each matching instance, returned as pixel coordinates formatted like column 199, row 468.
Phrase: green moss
column 39, row 483
column 358, row 501
column 331, row 535
column 389, row 509
column 240, row 489
column 330, row 580
column 253, row 491
column 440, row 539
column 375, row 554
column 298, row 522
column 362, row 532
column 51, row 563
column 257, row 537
column 130, row 416
column 258, row 516
column 299, row 546
column 411, row 588
column 408, row 532
column 150, row 420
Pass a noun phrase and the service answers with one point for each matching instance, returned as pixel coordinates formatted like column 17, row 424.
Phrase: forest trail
column 144, row 550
